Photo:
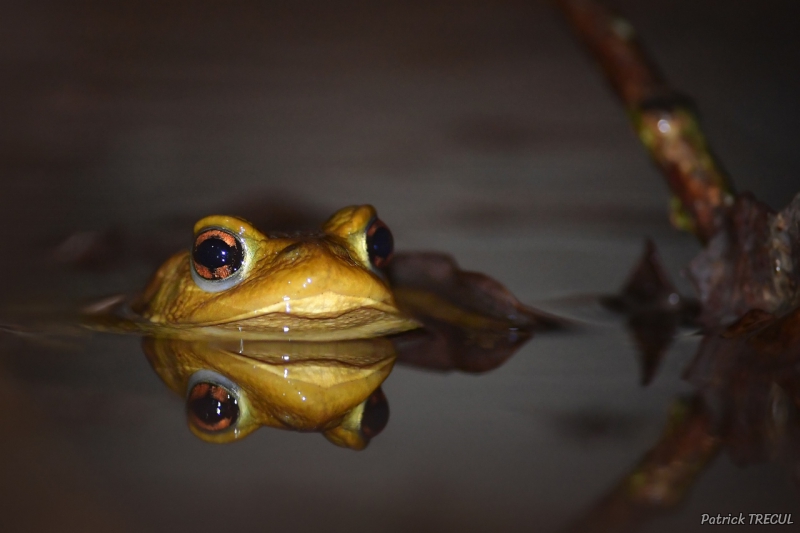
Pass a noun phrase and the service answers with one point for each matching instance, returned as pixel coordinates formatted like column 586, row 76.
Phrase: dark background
column 476, row 128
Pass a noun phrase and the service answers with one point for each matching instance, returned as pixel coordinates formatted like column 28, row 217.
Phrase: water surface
column 480, row 131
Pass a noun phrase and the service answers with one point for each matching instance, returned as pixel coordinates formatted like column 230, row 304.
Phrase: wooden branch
column 664, row 120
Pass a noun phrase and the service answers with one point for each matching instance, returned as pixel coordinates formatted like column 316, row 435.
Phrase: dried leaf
column 654, row 309
column 472, row 323
column 751, row 263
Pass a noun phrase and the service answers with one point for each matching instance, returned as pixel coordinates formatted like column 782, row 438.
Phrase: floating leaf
column 472, row 322
column 654, row 309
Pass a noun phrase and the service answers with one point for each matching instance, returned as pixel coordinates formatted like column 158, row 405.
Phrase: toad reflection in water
column 232, row 389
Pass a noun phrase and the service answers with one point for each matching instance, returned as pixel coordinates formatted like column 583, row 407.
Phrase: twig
column 663, row 119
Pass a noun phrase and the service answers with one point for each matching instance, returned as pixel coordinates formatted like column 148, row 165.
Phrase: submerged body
column 324, row 286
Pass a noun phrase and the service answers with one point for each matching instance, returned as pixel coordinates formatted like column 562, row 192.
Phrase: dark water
column 477, row 130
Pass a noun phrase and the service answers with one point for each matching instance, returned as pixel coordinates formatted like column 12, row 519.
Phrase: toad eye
column 380, row 244
column 376, row 414
column 217, row 256
column 211, row 407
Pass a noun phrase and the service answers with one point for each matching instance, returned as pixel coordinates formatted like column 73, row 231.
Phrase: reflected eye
column 212, row 407
column 217, row 254
column 376, row 414
column 380, row 244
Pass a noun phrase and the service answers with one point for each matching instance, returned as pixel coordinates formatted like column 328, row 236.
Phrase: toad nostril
column 291, row 249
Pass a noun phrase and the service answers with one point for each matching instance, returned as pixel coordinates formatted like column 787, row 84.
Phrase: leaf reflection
column 655, row 310
column 472, row 322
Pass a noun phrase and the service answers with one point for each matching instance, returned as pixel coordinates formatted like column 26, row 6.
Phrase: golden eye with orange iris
column 217, row 254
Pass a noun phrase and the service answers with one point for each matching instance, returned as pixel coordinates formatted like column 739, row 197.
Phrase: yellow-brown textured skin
column 306, row 386
column 317, row 287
